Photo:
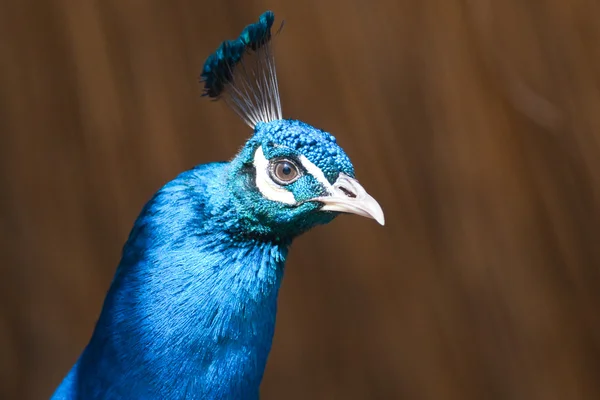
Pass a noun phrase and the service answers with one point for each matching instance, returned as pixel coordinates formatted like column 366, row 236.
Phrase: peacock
column 190, row 313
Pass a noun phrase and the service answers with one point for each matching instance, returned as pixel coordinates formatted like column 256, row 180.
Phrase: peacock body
column 191, row 311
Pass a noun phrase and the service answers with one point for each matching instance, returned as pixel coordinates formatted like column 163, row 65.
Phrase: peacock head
column 289, row 176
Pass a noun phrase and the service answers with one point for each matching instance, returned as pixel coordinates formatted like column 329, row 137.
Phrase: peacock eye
column 284, row 171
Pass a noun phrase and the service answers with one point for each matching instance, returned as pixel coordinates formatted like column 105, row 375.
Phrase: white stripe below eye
column 265, row 184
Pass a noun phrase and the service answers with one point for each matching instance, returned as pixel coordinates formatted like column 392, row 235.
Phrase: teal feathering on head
column 250, row 88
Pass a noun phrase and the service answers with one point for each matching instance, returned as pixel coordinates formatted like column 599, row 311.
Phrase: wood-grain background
column 475, row 123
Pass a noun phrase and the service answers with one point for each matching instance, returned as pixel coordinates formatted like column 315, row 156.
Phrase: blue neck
column 191, row 311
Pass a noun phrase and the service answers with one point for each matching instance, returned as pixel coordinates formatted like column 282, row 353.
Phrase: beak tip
column 379, row 217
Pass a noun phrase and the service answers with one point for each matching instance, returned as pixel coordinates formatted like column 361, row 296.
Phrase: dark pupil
column 285, row 171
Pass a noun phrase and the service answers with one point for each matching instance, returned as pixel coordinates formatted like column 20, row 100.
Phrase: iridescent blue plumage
column 319, row 146
column 190, row 313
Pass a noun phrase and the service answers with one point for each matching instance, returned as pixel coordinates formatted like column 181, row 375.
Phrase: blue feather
column 191, row 306
column 219, row 66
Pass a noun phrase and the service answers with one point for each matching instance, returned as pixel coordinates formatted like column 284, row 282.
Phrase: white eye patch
column 269, row 189
column 274, row 192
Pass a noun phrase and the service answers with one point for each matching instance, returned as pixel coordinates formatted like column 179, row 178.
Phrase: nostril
column 347, row 192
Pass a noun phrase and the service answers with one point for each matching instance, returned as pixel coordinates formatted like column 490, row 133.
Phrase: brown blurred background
column 475, row 123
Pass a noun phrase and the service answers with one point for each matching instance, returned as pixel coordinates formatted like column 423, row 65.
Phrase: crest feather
column 242, row 71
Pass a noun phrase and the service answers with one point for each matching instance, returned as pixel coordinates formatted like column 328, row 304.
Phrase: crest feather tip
column 248, row 85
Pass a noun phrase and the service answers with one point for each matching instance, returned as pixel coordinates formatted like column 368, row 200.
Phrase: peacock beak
column 348, row 196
